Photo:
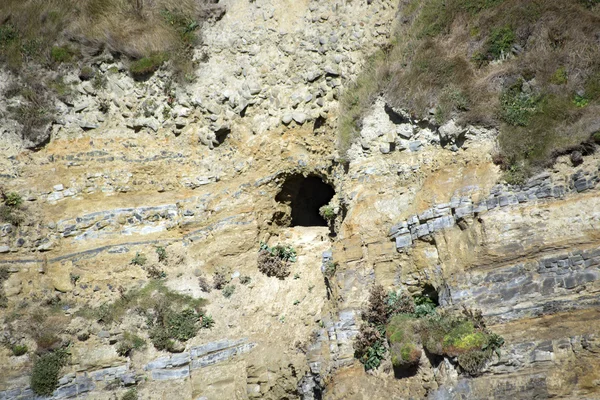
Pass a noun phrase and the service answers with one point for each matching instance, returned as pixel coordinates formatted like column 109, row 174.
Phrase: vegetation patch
column 507, row 64
column 19, row 350
column 403, row 326
column 12, row 210
column 129, row 343
column 276, row 261
column 147, row 65
column 46, row 370
column 168, row 325
column 171, row 317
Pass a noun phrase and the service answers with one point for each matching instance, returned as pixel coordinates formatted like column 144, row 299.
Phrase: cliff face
column 210, row 170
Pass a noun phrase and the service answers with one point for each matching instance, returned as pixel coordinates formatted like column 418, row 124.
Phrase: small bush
column 559, row 77
column 155, row 272
column 424, row 306
column 147, row 65
column 220, row 279
column 402, row 336
column 327, row 212
column 169, row 325
column 162, row 254
column 580, row 101
column 330, row 268
column 369, row 348
column 377, row 309
column 228, row 291
column 99, row 81
column 204, row 285
column 139, row 259
column 13, row 199
column 11, row 215
column 129, row 343
column 271, row 265
column 207, row 322
column 19, row 350
column 46, row 369
column 86, row 73
column 131, row 394
column 61, row 54
column 518, row 106
column 473, row 362
column 245, row 280
column 500, row 41
column 399, row 303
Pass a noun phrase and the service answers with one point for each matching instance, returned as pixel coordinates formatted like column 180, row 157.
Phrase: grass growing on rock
column 521, row 66
column 46, row 370
column 54, row 30
column 401, row 327
column 171, row 317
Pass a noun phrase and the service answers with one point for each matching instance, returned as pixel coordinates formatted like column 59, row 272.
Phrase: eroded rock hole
column 305, row 196
column 221, row 135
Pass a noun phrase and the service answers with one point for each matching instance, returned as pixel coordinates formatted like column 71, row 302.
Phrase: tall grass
column 462, row 58
column 133, row 28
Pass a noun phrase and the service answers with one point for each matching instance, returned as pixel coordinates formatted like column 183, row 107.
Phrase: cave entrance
column 305, row 195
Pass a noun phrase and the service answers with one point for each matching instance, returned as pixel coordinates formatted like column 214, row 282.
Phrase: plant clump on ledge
column 275, row 261
column 404, row 327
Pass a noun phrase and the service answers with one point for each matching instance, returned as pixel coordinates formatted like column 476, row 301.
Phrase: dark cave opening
column 305, row 195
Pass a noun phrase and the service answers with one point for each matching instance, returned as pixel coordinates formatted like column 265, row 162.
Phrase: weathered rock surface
column 198, row 171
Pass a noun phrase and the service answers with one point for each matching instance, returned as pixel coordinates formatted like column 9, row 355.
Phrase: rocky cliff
column 245, row 155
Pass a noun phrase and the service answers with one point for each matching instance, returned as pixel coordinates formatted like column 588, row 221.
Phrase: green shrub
column 46, row 370
column 560, row 76
column 139, row 259
column 399, row 303
column 402, row 336
column 207, row 322
column 129, row 343
column 580, row 101
column 19, row 350
column 147, row 65
column 473, row 362
column 500, row 41
column 330, row 268
column 86, row 73
column 162, row 254
column 369, row 347
column 276, row 261
column 169, row 325
column 61, row 54
column 11, row 215
column 131, row 394
column 596, row 137
column 8, row 34
column 424, row 306
column 155, row 295
column 13, row 199
column 327, row 212
column 245, row 280
column 228, row 291
column 518, row 107
column 99, row 81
